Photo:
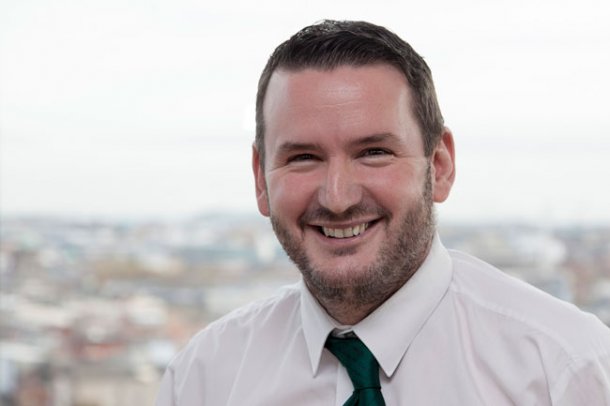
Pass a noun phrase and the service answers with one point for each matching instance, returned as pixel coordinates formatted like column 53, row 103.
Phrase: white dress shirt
column 460, row 332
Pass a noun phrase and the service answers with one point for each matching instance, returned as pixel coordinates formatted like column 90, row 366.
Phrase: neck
column 349, row 313
column 349, row 306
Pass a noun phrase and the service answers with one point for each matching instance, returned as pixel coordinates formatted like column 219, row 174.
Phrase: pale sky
column 145, row 108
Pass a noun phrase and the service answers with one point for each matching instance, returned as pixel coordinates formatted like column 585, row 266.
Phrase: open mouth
column 347, row 232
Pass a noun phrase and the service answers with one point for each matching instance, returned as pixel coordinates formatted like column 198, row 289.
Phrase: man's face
column 345, row 180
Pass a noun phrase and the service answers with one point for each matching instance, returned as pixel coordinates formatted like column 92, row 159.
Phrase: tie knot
column 360, row 363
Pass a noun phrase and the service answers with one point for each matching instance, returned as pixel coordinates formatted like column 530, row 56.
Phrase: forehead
column 340, row 83
column 342, row 102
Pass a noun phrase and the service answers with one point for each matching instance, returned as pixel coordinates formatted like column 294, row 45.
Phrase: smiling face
column 345, row 179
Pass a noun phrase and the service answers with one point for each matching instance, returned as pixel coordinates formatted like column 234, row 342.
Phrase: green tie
column 362, row 368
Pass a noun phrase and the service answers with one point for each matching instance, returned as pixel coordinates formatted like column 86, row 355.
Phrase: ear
column 261, row 185
column 443, row 167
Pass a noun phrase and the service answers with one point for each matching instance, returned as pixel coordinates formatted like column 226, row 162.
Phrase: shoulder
column 258, row 313
column 206, row 369
column 512, row 337
column 232, row 332
column 493, row 294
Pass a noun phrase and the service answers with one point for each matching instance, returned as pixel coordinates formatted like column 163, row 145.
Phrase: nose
column 341, row 188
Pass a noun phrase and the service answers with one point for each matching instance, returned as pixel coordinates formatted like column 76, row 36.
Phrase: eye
column 375, row 152
column 301, row 158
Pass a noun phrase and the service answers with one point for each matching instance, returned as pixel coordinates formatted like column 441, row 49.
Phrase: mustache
column 322, row 214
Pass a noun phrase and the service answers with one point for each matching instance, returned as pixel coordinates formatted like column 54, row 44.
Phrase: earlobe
column 443, row 162
column 260, row 183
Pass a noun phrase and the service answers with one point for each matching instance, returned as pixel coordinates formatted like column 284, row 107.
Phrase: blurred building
column 92, row 312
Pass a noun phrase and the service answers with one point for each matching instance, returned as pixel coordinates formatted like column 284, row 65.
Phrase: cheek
column 290, row 195
column 395, row 188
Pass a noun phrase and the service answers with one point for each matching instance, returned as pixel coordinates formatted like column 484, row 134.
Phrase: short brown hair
column 329, row 44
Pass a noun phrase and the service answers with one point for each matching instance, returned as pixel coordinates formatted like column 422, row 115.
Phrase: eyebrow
column 289, row 147
column 373, row 139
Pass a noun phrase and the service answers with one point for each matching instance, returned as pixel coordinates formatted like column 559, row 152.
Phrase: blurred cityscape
column 91, row 312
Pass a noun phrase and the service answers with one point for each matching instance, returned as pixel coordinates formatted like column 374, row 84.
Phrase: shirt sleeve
column 165, row 396
column 585, row 383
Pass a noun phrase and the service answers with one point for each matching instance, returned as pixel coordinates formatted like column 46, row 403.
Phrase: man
column 349, row 157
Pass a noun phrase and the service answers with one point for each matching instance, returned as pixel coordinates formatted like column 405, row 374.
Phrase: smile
column 345, row 232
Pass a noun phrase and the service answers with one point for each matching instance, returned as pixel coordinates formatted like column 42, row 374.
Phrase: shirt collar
column 317, row 325
column 390, row 329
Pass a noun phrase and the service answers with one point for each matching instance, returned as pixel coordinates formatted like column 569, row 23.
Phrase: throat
column 349, row 305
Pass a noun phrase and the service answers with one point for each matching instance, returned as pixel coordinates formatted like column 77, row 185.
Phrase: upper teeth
column 344, row 232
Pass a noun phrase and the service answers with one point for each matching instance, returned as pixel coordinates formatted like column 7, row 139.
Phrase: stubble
column 395, row 264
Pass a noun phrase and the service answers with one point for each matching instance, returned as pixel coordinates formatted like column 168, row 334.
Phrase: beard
column 396, row 262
